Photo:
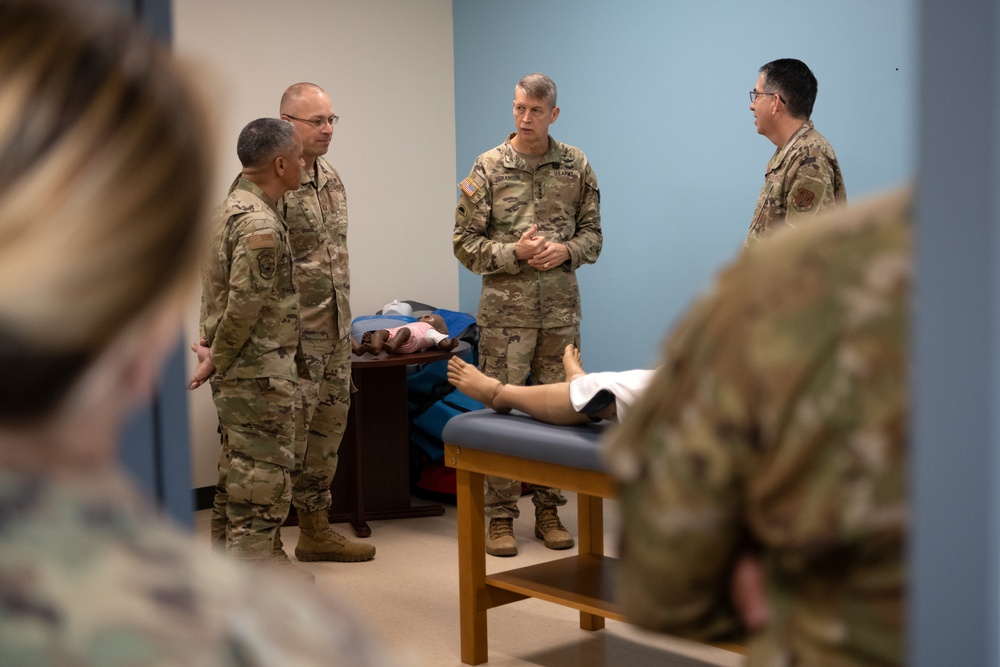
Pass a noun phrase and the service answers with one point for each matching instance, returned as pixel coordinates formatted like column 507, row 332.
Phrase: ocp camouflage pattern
column 803, row 179
column 249, row 308
column 562, row 197
column 316, row 215
column 778, row 424
column 92, row 576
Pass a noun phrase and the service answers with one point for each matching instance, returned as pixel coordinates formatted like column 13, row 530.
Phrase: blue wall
column 655, row 92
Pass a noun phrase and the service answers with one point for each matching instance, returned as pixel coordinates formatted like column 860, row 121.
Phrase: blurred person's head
column 104, row 168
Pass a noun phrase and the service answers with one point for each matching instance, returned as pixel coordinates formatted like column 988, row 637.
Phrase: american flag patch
column 258, row 241
column 468, row 187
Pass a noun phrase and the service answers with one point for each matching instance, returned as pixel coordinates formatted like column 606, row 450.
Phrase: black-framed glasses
column 316, row 122
column 754, row 95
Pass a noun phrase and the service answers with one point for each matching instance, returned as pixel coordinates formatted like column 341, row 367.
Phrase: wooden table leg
column 471, row 566
column 590, row 526
column 356, row 517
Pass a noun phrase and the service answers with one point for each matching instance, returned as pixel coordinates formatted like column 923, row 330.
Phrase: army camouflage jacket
column 92, row 576
column 778, row 424
column 500, row 200
column 803, row 179
column 316, row 215
column 249, row 308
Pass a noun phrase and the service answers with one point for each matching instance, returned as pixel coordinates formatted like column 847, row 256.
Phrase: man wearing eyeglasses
column 528, row 216
column 316, row 215
column 803, row 177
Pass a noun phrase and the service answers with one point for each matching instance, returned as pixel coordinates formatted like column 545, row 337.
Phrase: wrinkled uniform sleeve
column 254, row 247
column 813, row 184
column 779, row 421
column 473, row 239
column 585, row 246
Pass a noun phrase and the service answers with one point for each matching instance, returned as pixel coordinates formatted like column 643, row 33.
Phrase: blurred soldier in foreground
column 103, row 177
column 772, row 447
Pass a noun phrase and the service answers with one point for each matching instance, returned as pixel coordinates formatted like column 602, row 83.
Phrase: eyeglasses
column 317, row 122
column 754, row 95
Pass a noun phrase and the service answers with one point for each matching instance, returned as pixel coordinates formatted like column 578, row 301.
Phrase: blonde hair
column 104, row 169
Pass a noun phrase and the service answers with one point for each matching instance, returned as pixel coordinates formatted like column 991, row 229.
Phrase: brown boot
column 280, row 561
column 548, row 527
column 317, row 541
column 500, row 538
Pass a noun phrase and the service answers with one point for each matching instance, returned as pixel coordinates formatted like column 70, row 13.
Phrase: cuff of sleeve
column 221, row 361
column 509, row 260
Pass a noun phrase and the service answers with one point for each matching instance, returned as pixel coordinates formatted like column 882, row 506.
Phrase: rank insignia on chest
column 468, row 187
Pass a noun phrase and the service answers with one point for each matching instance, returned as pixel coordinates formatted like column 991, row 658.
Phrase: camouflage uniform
column 316, row 215
column 91, row 576
column 802, row 180
column 526, row 316
column 778, row 423
column 250, row 318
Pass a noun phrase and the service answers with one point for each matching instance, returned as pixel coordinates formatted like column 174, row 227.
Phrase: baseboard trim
column 204, row 496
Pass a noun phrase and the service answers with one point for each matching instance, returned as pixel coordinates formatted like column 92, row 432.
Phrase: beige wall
column 388, row 67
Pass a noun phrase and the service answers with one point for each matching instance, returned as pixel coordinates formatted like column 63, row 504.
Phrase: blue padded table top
column 517, row 434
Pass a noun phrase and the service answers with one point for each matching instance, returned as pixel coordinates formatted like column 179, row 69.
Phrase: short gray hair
column 538, row 87
column 264, row 139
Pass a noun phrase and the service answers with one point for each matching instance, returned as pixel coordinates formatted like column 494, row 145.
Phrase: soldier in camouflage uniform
column 105, row 174
column 250, row 329
column 528, row 216
column 803, row 177
column 778, row 426
column 316, row 215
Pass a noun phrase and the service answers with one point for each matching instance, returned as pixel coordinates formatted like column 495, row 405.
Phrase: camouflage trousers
column 509, row 354
column 326, row 399
column 260, row 423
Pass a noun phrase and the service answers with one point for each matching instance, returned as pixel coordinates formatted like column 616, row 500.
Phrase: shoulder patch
column 267, row 264
column 804, row 199
column 258, row 241
column 468, row 186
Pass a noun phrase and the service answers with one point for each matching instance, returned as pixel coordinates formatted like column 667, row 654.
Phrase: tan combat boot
column 548, row 527
column 317, row 541
column 500, row 538
column 281, row 562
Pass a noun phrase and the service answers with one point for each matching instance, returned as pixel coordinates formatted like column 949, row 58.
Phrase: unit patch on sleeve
column 265, row 262
column 804, row 199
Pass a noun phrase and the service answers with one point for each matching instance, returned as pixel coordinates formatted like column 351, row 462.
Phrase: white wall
column 388, row 67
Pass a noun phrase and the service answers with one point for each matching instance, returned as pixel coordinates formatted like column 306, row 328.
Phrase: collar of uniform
column 319, row 175
column 512, row 160
column 254, row 189
column 779, row 155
